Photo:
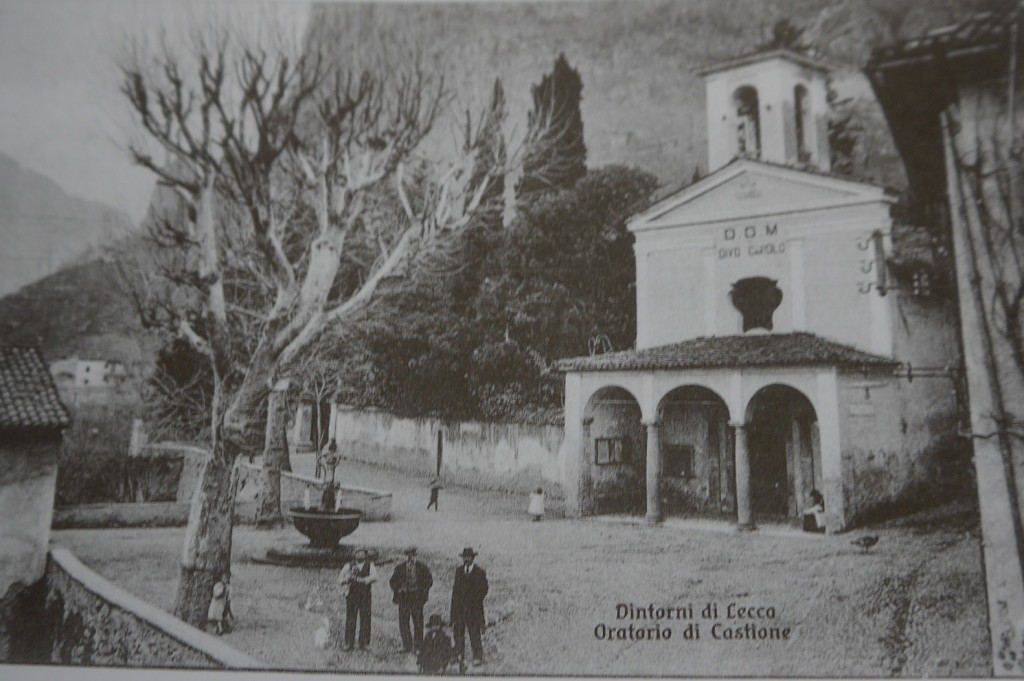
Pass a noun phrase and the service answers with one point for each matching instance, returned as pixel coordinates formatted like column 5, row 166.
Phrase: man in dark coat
column 411, row 582
column 468, row 594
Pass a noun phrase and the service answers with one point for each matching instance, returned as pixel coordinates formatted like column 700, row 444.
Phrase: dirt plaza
column 565, row 594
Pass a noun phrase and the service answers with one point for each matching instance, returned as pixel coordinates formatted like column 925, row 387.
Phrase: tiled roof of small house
column 28, row 395
column 979, row 31
column 727, row 352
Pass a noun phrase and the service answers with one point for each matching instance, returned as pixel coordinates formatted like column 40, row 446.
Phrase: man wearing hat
column 411, row 582
column 359, row 575
column 468, row 594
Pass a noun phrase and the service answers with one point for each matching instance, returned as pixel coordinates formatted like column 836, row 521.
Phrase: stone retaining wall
column 96, row 623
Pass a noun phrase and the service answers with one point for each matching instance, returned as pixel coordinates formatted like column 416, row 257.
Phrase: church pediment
column 750, row 188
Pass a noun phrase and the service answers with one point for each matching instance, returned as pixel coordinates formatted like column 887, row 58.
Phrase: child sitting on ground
column 436, row 651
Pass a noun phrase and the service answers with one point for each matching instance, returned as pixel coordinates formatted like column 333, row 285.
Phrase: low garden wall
column 504, row 456
column 96, row 623
column 151, row 514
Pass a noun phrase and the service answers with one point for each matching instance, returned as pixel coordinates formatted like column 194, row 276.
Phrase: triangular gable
column 751, row 188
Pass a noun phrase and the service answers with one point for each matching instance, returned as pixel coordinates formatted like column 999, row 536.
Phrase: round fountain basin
column 325, row 528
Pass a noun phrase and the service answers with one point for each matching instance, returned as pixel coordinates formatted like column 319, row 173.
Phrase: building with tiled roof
column 775, row 354
column 32, row 419
column 953, row 101
column 718, row 352
column 28, row 396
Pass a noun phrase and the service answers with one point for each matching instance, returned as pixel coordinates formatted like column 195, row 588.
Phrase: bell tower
column 769, row 106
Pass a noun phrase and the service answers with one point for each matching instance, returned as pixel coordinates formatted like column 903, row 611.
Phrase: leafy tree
column 557, row 124
column 785, row 35
column 844, row 132
column 179, row 392
column 479, row 342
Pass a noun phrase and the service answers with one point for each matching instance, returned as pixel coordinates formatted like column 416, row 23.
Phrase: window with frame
column 678, row 461
column 610, row 450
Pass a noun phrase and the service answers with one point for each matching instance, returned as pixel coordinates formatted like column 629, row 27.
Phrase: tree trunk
column 275, row 458
column 207, row 552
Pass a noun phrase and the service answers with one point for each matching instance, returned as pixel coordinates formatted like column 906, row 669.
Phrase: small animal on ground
column 866, row 542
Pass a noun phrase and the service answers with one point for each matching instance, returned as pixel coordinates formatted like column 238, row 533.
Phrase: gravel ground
column 913, row 606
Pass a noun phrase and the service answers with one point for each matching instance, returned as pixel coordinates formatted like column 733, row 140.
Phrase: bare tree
column 277, row 160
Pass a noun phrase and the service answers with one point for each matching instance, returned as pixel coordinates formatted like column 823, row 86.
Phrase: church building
column 777, row 351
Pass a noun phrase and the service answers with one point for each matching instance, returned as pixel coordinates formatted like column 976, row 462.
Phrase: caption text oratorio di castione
column 725, row 621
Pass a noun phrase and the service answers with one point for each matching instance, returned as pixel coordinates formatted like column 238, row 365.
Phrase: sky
column 60, row 110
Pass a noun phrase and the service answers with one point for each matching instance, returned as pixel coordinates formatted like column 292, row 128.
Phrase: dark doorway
column 784, row 463
column 766, row 440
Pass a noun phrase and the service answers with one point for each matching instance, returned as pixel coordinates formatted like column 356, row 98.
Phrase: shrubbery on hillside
column 480, row 342
column 94, row 466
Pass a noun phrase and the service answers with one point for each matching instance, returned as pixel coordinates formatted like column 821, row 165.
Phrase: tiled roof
column 28, row 395
column 721, row 352
column 981, row 30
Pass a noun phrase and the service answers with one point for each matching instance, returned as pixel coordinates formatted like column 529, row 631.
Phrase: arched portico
column 784, row 451
column 696, row 449
column 613, row 441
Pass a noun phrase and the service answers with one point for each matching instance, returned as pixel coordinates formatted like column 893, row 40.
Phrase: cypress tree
column 557, row 155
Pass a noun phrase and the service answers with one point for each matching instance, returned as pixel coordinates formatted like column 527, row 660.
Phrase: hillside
column 79, row 310
column 42, row 228
column 643, row 103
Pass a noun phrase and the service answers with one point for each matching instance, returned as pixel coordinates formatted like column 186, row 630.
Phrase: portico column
column 744, row 517
column 653, row 473
column 586, row 477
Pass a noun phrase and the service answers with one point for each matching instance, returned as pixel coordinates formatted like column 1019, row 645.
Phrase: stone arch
column 747, row 111
column 696, row 449
column 784, row 450
column 614, row 446
column 606, row 392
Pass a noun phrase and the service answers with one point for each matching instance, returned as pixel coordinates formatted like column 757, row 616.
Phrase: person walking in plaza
column 435, row 488
column 359, row 575
column 468, row 595
column 410, row 583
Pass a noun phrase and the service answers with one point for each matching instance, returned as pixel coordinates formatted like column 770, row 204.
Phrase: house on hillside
column 32, row 419
column 89, row 373
column 775, row 352
column 953, row 99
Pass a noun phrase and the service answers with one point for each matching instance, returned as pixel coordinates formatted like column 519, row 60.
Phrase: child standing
column 536, row 508
column 220, row 614
column 436, row 651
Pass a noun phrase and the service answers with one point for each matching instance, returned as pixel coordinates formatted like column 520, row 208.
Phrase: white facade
column 770, row 336
column 88, row 373
column 814, row 235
